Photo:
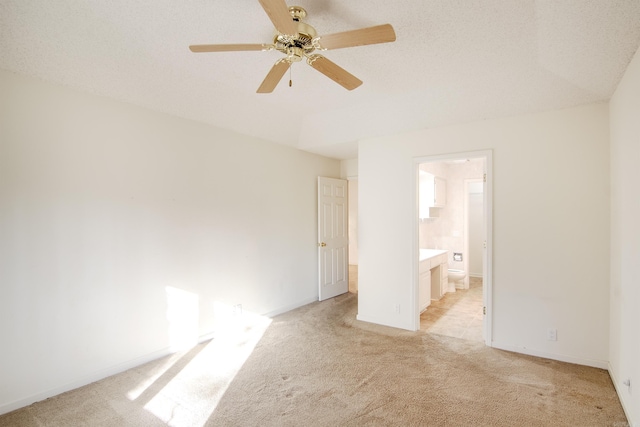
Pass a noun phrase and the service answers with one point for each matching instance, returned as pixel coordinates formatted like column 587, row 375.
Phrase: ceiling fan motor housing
column 297, row 13
column 296, row 46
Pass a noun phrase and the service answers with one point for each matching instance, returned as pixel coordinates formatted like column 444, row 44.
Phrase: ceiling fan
column 299, row 40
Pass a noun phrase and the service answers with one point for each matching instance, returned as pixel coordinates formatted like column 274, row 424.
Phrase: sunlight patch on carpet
column 189, row 396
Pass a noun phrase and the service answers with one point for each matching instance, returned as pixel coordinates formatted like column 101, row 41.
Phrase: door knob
column 323, row 244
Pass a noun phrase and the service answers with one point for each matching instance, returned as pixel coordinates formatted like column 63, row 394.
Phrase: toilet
column 455, row 276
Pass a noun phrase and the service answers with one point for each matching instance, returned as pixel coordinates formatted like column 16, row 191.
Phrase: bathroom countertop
column 430, row 253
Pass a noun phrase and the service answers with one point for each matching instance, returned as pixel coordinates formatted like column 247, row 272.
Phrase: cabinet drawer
column 425, row 265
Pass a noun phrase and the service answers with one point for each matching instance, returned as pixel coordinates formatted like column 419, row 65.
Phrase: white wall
column 349, row 169
column 624, row 341
column 108, row 212
column 353, row 222
column 550, row 227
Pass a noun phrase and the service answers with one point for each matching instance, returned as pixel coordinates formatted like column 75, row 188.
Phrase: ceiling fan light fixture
column 295, row 54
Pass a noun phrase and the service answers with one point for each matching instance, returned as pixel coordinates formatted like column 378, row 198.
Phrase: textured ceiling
column 453, row 61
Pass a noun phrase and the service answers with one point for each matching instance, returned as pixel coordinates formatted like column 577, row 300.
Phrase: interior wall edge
column 618, row 387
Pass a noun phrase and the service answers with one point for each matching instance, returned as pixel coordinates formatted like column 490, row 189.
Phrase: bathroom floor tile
column 457, row 314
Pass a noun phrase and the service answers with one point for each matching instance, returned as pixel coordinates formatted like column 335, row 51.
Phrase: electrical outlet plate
column 552, row 334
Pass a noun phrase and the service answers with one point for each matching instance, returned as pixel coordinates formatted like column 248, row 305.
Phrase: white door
column 333, row 237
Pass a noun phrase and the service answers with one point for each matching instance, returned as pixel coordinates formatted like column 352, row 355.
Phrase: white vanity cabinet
column 432, row 193
column 439, row 276
column 424, row 284
column 432, row 280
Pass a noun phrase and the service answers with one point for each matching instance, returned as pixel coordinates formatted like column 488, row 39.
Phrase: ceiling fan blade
column 275, row 75
column 364, row 36
column 279, row 14
column 334, row 72
column 227, row 47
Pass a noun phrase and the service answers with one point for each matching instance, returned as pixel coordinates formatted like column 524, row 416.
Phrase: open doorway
column 452, row 246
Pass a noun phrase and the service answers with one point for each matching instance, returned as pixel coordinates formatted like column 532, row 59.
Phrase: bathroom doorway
column 460, row 226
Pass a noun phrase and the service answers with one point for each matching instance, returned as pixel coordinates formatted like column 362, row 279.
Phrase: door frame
column 487, row 288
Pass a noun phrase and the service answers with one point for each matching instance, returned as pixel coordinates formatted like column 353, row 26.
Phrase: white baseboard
column 602, row 364
column 291, row 306
column 383, row 322
column 622, row 391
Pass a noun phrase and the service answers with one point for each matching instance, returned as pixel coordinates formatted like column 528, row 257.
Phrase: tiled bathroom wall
column 447, row 230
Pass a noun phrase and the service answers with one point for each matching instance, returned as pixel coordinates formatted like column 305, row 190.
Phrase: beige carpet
column 317, row 366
